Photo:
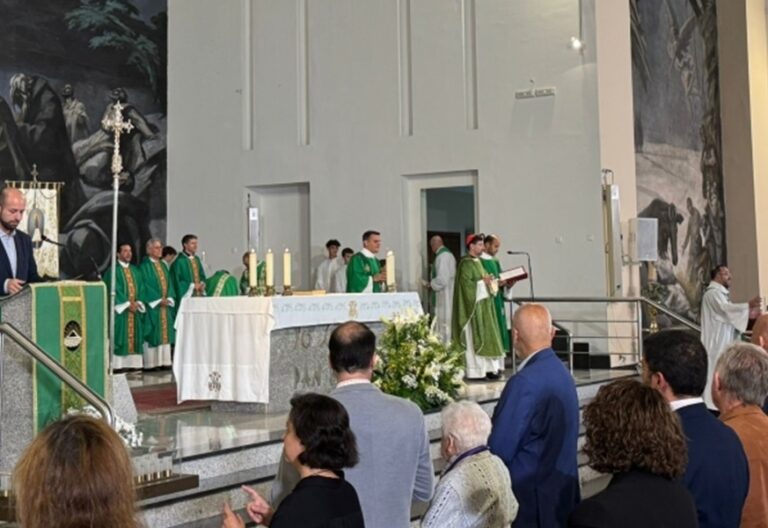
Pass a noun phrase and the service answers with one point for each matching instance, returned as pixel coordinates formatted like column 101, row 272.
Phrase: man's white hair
column 467, row 423
column 152, row 241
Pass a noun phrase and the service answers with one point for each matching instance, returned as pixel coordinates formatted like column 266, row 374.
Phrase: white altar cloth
column 223, row 343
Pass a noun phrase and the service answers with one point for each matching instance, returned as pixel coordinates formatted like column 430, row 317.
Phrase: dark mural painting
column 63, row 65
column 677, row 144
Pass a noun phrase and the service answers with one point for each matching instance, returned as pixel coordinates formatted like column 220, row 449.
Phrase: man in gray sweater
column 395, row 465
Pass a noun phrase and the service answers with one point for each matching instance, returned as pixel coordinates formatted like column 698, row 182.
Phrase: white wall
column 351, row 95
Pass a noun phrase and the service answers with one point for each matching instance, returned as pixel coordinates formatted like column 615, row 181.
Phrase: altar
column 262, row 350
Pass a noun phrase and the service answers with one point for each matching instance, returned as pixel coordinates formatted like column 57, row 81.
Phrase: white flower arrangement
column 415, row 364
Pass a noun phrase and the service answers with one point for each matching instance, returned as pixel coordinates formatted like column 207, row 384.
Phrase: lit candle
column 270, row 264
column 287, row 267
column 390, row 268
column 252, row 262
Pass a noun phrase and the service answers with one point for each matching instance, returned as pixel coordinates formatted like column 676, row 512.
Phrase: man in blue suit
column 717, row 475
column 536, row 426
column 17, row 264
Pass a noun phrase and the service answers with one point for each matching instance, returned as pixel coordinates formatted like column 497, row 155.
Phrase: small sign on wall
column 253, row 228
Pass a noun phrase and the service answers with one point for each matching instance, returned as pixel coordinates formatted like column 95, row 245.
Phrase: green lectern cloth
column 69, row 323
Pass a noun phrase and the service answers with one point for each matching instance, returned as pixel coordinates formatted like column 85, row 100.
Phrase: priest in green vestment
column 160, row 302
column 129, row 311
column 261, row 274
column 222, row 284
column 493, row 267
column 187, row 271
column 475, row 324
column 364, row 275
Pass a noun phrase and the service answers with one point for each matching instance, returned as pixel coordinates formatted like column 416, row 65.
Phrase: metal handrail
column 82, row 390
column 660, row 307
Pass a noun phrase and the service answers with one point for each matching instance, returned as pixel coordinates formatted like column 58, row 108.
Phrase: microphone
column 46, row 239
column 517, row 253
column 95, row 267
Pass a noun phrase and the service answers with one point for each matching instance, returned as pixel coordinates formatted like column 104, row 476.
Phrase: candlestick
column 287, row 268
column 390, row 269
column 252, row 265
column 270, row 263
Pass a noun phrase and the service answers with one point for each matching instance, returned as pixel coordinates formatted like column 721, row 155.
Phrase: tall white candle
column 390, row 268
column 252, row 263
column 287, row 267
column 270, row 264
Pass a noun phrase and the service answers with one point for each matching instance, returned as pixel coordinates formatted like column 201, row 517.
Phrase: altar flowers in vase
column 415, row 364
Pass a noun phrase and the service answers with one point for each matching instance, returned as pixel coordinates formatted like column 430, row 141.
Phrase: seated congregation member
column 739, row 388
column 632, row 434
column 319, row 445
column 536, row 425
column 76, row 473
column 675, row 364
column 474, row 489
column 395, row 465
column 760, row 338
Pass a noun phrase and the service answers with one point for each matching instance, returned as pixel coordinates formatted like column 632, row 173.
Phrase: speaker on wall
column 643, row 239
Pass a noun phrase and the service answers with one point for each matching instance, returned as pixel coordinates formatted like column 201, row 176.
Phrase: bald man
column 536, row 425
column 17, row 263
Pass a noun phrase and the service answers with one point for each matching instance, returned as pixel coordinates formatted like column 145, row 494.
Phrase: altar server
column 129, row 311
column 339, row 282
column 159, row 294
column 722, row 321
column 328, row 267
column 441, row 283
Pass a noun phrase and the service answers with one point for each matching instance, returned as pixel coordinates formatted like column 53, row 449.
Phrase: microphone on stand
column 46, row 239
column 530, row 270
column 95, row 267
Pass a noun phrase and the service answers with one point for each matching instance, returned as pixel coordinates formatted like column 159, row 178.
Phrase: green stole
column 186, row 271
column 129, row 332
column 480, row 316
column 222, row 284
column 493, row 267
column 359, row 269
column 159, row 320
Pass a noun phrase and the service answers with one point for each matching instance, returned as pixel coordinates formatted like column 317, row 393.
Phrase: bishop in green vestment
column 129, row 311
column 493, row 267
column 475, row 324
column 222, row 284
column 364, row 274
column 187, row 271
column 160, row 303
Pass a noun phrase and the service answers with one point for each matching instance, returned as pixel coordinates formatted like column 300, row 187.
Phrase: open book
column 513, row 274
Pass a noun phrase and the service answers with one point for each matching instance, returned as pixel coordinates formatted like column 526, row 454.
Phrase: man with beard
column 43, row 137
column 17, row 263
column 722, row 321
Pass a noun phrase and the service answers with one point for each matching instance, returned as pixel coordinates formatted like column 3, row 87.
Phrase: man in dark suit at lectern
column 17, row 263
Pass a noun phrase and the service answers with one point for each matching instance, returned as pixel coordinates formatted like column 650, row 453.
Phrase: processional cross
column 115, row 123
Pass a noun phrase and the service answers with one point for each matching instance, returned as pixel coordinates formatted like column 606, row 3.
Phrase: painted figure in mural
column 669, row 218
column 680, row 52
column 13, row 164
column 75, row 115
column 694, row 235
column 43, row 137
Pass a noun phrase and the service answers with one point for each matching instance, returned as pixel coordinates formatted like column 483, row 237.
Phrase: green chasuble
column 222, row 284
column 359, row 269
column 156, row 284
column 261, row 273
column 184, row 272
column 481, row 316
column 129, row 333
column 493, row 267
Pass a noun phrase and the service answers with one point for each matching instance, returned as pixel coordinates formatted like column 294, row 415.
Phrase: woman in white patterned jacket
column 475, row 489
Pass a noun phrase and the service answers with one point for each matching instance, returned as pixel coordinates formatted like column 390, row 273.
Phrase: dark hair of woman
column 322, row 426
column 630, row 426
column 75, row 474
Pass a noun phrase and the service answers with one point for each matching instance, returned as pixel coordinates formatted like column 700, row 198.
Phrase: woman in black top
column 318, row 443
